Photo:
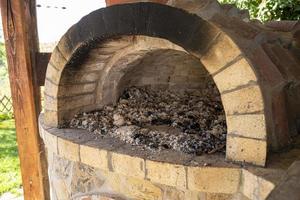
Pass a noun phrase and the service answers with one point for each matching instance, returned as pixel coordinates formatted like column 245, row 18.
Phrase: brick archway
column 235, row 78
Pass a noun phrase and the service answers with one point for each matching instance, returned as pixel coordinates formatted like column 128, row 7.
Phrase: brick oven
column 186, row 46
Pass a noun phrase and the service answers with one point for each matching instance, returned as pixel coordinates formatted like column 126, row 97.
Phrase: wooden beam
column 33, row 45
column 42, row 60
column 17, row 21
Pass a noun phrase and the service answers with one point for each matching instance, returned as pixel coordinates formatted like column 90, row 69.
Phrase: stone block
column 179, row 79
column 94, row 157
column 234, row 76
column 68, row 150
column 98, row 64
column 71, row 90
column 287, row 66
column 57, row 59
column 133, row 188
column 96, row 56
column 243, row 101
column 128, row 165
column 239, row 27
column 246, row 150
column 61, row 189
column 53, row 74
column 239, row 196
column 50, row 142
column 65, row 47
column 167, row 174
column 75, row 77
column 173, row 193
column 147, row 80
column 213, row 180
column 100, row 197
column 194, row 195
column 51, row 89
column 148, row 43
column 191, row 6
column 214, row 196
column 75, row 102
column 41, row 128
column 252, row 126
column 51, row 103
column 220, row 53
column 255, row 187
column 139, row 189
column 51, row 118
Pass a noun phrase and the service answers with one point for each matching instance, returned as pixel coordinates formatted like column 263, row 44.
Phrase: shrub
column 266, row 10
column 5, row 116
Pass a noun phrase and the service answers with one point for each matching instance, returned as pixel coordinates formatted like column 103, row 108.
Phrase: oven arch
column 233, row 74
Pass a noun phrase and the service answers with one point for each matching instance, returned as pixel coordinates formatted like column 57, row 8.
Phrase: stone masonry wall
column 77, row 181
column 86, row 168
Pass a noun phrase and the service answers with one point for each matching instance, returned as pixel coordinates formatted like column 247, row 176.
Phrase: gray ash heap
column 192, row 122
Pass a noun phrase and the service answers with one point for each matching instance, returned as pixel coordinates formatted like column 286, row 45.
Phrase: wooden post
column 19, row 25
column 31, row 27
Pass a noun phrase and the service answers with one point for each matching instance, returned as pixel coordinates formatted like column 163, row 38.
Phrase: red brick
column 280, row 120
column 268, row 72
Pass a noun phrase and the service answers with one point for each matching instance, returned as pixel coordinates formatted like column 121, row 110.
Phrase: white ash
column 189, row 121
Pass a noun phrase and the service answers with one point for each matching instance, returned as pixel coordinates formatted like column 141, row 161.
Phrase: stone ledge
column 166, row 174
column 79, row 146
column 228, row 178
column 128, row 165
column 68, row 150
column 94, row 157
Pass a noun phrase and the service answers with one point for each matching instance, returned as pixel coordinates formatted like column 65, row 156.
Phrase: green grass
column 10, row 176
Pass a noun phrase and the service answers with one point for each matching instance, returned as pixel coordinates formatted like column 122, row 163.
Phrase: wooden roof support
column 42, row 60
column 19, row 25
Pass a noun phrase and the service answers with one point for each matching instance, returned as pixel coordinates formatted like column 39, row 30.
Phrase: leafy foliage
column 5, row 116
column 266, row 10
column 10, row 176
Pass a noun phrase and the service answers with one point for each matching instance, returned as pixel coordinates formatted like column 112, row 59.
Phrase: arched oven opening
column 159, row 99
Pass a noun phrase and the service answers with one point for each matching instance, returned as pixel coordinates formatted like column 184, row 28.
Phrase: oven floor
column 191, row 122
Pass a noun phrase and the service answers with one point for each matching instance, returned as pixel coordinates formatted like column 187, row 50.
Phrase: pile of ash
column 189, row 121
